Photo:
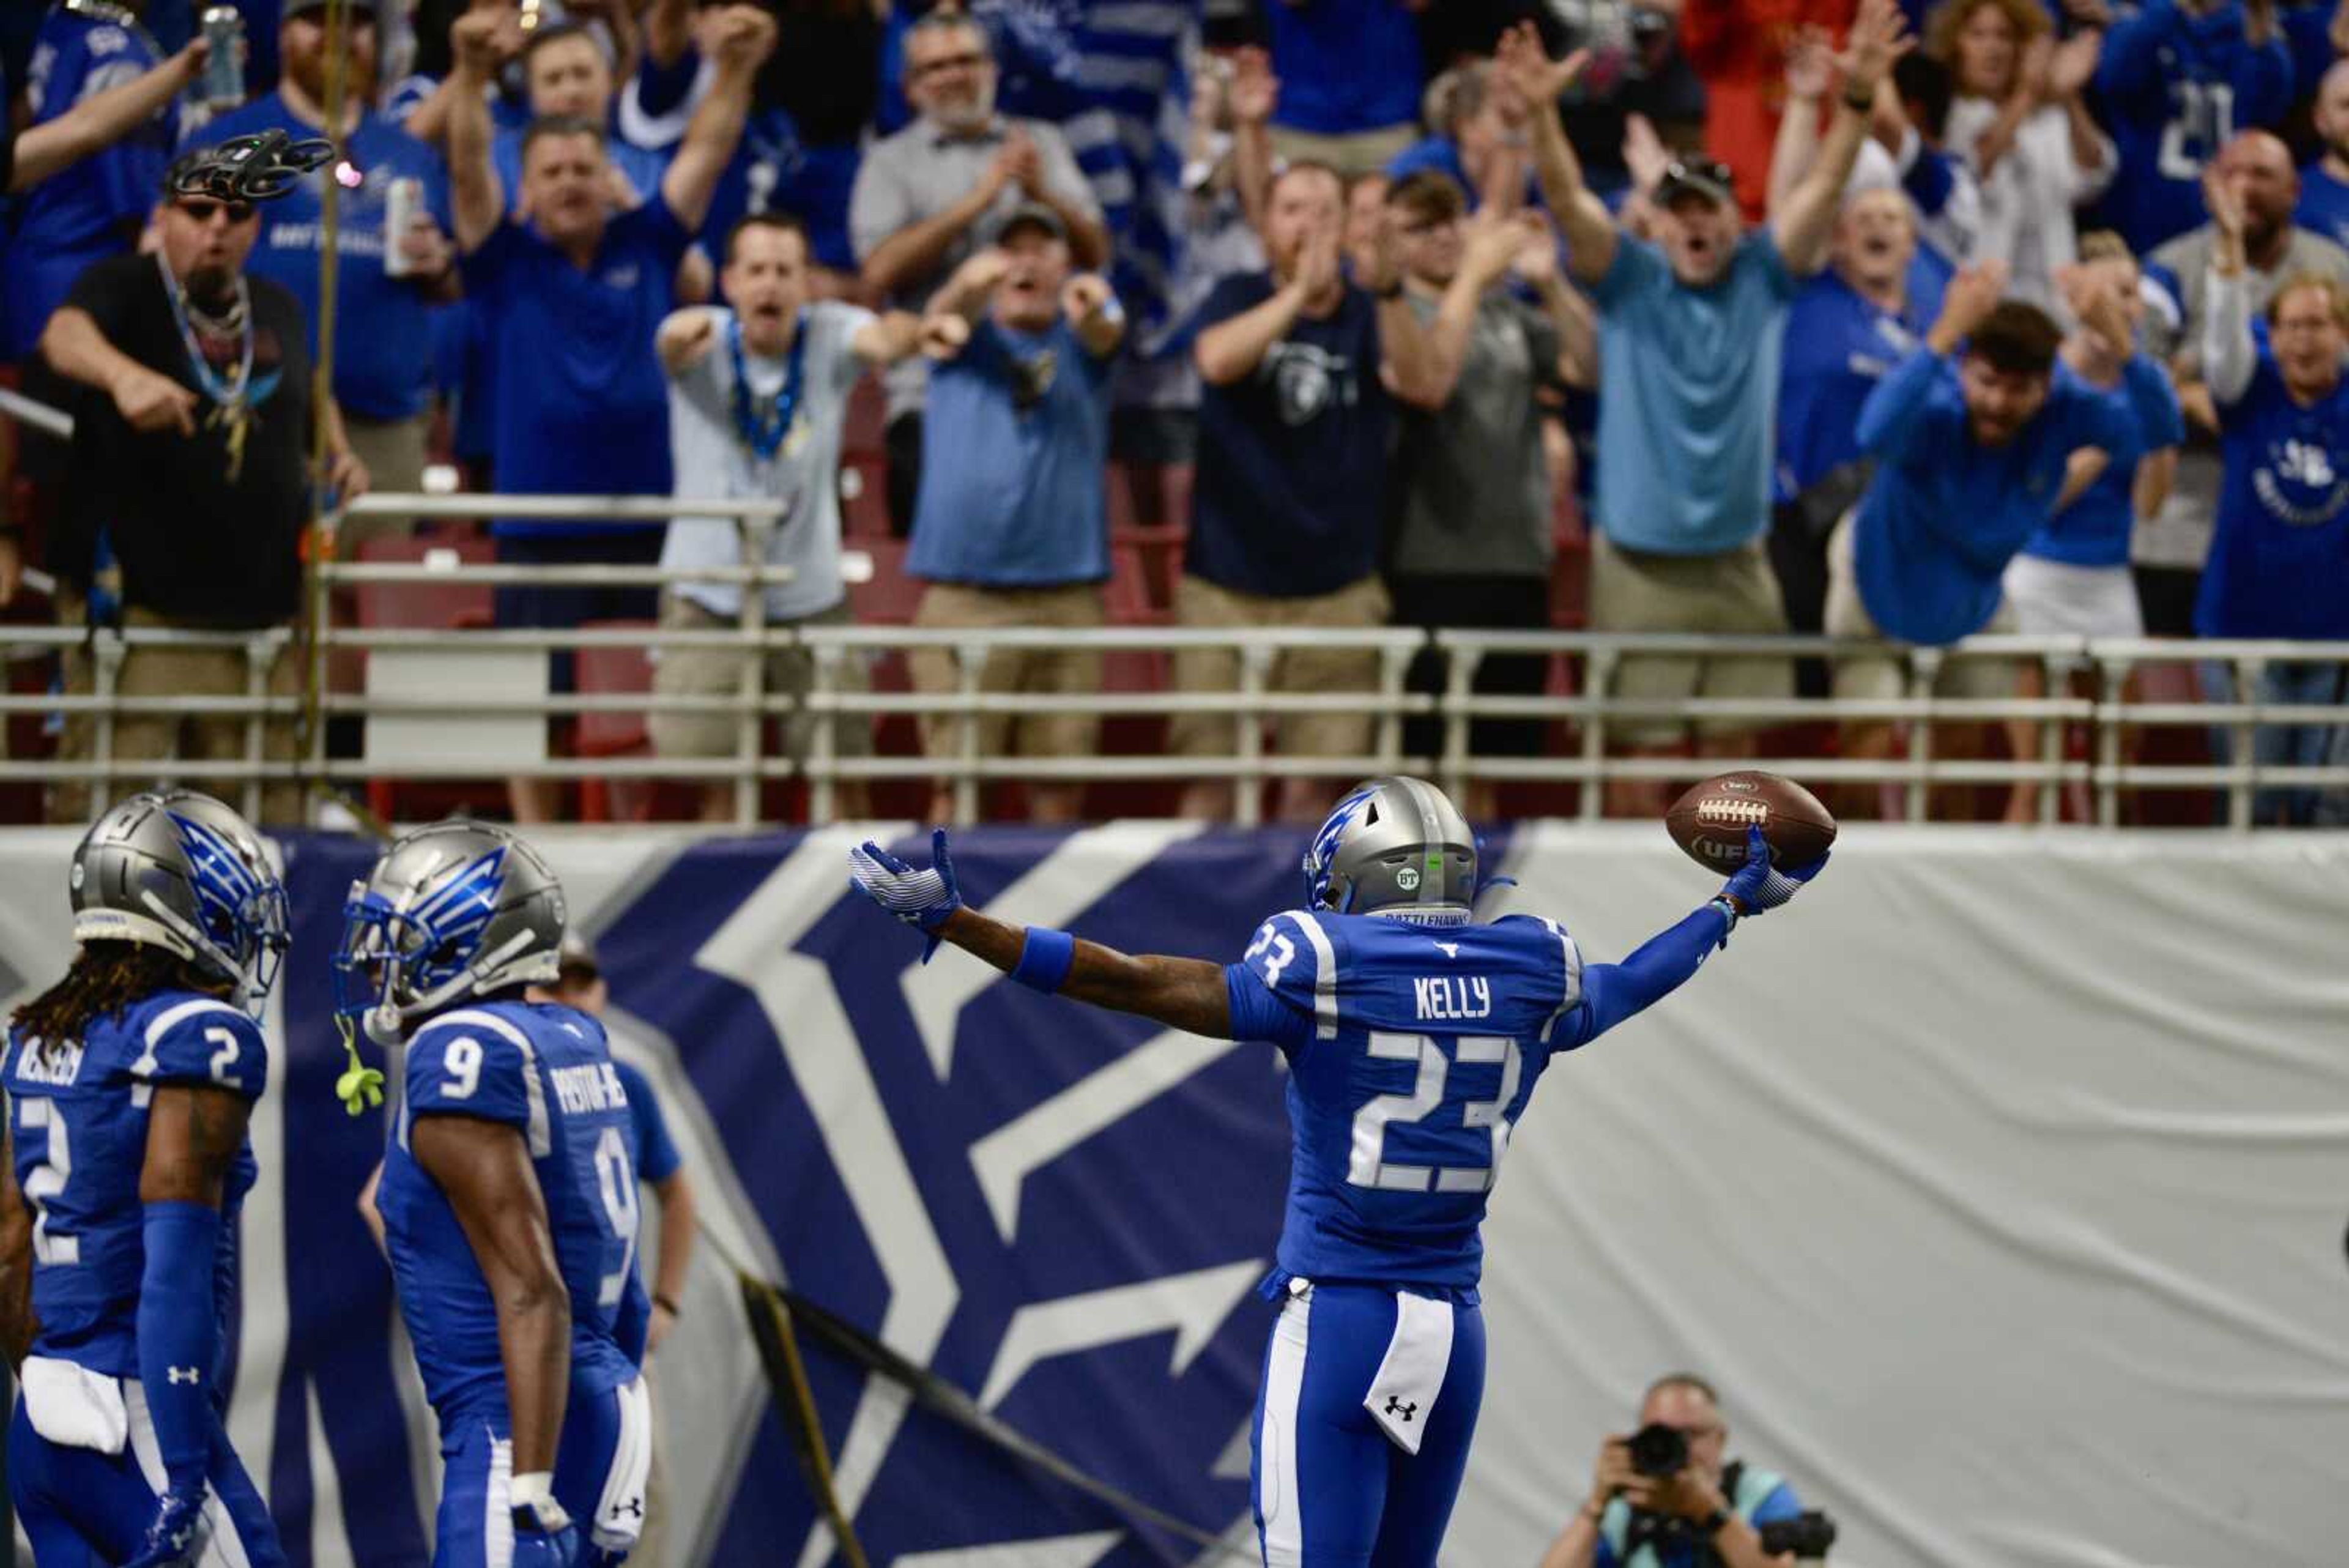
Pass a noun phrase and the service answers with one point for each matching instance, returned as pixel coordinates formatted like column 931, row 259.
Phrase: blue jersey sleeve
column 458, row 1067
column 1292, row 960
column 205, row 1043
column 657, row 1156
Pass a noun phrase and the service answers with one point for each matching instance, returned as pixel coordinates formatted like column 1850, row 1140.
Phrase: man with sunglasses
column 1690, row 333
column 187, row 480
column 943, row 188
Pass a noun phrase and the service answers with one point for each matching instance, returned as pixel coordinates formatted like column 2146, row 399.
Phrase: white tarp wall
column 1999, row 1183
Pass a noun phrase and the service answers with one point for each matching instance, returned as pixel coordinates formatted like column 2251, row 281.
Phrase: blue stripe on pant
column 474, row 1528
column 73, row 1502
column 1332, row 1490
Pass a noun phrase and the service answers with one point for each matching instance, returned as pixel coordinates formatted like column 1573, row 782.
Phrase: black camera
column 1659, row 1451
column 1806, row 1535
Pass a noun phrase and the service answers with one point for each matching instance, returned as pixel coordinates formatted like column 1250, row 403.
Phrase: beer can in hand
column 223, row 80
column 403, row 203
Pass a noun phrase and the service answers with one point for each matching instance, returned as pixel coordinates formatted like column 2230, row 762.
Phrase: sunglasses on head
column 1703, row 168
column 201, row 208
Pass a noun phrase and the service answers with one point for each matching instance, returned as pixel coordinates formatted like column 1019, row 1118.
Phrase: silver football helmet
column 1394, row 847
column 456, row 909
column 179, row 870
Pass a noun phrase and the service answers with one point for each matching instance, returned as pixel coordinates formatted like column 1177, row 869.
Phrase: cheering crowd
column 1651, row 315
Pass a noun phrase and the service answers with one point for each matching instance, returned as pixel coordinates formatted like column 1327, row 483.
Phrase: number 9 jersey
column 1412, row 1049
column 544, row 1071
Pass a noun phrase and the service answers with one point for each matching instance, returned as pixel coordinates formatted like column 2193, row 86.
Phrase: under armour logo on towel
column 179, row 1375
column 1397, row 1405
column 635, row 1505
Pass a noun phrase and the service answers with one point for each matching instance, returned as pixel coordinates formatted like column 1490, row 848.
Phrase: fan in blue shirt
column 1972, row 455
column 2174, row 82
column 1414, row 1035
column 508, row 1197
column 2325, row 184
column 383, row 323
column 96, row 207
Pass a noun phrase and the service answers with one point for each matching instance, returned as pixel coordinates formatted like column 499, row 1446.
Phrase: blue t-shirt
column 651, row 1147
column 2279, row 561
column 2324, row 205
column 1412, row 1050
column 582, row 405
column 774, row 171
column 78, row 1114
column 544, row 1071
column 1015, row 442
column 1943, row 516
column 1345, row 64
column 2094, row 530
column 1291, row 489
column 1839, row 344
column 1691, row 392
column 95, row 208
column 2174, row 89
column 383, row 325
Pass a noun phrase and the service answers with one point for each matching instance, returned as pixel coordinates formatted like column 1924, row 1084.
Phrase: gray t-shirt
column 2178, row 535
column 924, row 169
column 713, row 459
column 1472, row 487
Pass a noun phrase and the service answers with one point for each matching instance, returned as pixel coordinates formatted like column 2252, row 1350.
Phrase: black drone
column 247, row 168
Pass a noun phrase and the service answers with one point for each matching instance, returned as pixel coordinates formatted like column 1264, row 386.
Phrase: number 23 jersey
column 78, row 1111
column 1412, row 1050
column 546, row 1071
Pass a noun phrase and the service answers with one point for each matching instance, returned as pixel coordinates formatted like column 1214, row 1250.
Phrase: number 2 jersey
column 1413, row 1051
column 79, row 1114
column 545, row 1071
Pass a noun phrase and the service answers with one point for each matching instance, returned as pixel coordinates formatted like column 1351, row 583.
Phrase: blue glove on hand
column 545, row 1537
column 179, row 1533
column 922, row 899
column 1759, row 886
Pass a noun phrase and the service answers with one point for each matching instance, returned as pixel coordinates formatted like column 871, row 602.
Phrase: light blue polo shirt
column 1686, row 429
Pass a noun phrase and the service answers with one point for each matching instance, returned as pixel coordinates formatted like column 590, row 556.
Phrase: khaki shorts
column 1351, row 155
column 1733, row 593
column 718, row 673
column 1052, row 671
column 1198, row 602
column 1886, row 676
column 395, row 453
column 160, row 739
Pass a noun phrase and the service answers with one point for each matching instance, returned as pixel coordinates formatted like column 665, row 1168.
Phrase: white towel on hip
column 73, row 1407
column 1402, row 1394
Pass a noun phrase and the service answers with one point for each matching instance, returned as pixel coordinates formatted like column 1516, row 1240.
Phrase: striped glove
column 921, row 898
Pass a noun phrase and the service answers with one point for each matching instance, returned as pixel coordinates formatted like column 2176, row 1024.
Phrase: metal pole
column 1459, row 677
column 749, row 731
column 257, row 650
column 311, row 726
column 1924, row 674
column 1598, row 677
column 1247, row 790
column 971, row 664
column 2245, row 729
column 2113, row 674
column 106, row 656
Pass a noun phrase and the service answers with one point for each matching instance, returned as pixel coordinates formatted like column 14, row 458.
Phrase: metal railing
column 2107, row 714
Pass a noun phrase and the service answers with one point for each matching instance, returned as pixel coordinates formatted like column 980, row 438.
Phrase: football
column 1708, row 822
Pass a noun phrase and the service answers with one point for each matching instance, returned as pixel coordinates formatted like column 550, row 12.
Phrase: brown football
column 1709, row 822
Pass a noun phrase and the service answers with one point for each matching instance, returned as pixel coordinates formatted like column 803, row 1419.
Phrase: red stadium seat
column 425, row 605
column 867, row 410
column 889, row 597
column 607, row 671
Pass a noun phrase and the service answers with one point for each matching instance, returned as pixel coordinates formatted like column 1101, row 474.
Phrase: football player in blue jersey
column 1414, row 1036
column 130, row 1083
column 508, row 1204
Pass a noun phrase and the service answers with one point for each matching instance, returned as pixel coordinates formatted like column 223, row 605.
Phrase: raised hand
column 1489, row 246
column 476, row 39
column 1537, row 259
column 944, row 336
column 1879, row 38
column 1810, row 63
column 745, row 36
column 1645, row 156
column 1972, row 296
column 1758, row 888
column 1254, row 91
column 922, row 898
column 2073, row 66
column 1527, row 68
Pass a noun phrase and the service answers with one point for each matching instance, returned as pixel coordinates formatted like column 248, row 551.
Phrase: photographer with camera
column 1664, row 1499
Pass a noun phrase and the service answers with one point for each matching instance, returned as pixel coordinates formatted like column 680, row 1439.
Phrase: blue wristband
column 1044, row 959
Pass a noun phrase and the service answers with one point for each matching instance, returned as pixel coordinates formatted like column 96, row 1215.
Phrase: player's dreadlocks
column 106, row 977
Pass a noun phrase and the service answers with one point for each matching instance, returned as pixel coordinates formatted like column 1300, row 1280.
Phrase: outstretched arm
column 1182, row 993
column 1800, row 225
column 99, row 122
column 1613, row 993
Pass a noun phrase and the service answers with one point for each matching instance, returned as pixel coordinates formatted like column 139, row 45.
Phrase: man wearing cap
column 1011, row 527
column 385, row 283
column 942, row 188
column 1690, row 334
